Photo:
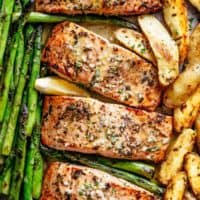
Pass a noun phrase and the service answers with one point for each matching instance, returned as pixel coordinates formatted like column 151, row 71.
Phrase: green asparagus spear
column 20, row 151
column 8, row 75
column 0, row 4
column 5, row 177
column 18, row 6
column 4, row 28
column 34, row 163
column 8, row 140
column 19, row 59
column 86, row 160
column 139, row 168
column 37, row 17
column 37, row 175
column 32, row 93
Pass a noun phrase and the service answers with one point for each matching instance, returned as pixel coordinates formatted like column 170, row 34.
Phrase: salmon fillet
column 83, row 57
column 71, row 182
column 89, row 126
column 106, row 7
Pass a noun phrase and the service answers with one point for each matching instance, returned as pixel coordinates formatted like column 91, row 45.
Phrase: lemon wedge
column 53, row 85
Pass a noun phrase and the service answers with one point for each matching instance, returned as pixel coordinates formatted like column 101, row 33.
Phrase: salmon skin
column 84, row 57
column 105, row 7
column 72, row 182
column 89, row 126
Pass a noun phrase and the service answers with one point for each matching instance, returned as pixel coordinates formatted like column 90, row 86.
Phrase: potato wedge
column 174, row 159
column 196, row 4
column 176, row 188
column 56, row 86
column 187, row 82
column 192, row 167
column 176, row 18
column 189, row 196
column 194, row 46
column 163, row 47
column 185, row 115
column 197, row 127
column 136, row 42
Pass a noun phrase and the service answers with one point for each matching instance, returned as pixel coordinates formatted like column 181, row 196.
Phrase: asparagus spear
column 32, row 93
column 86, row 160
column 4, row 27
column 37, row 17
column 5, row 177
column 139, row 168
column 8, row 75
column 19, row 59
column 34, row 163
column 8, row 140
column 21, row 143
column 37, row 175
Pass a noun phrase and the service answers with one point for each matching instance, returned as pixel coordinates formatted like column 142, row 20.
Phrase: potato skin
column 176, row 18
column 196, row 4
column 197, row 127
column 192, row 167
column 185, row 115
column 194, row 46
column 136, row 42
column 163, row 47
column 187, row 82
column 189, row 79
column 176, row 188
column 175, row 157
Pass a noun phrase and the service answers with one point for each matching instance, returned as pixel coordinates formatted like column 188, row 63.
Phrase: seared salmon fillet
column 89, row 126
column 72, row 182
column 106, row 7
column 83, row 57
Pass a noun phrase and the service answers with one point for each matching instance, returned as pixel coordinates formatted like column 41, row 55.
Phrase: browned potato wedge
column 197, row 127
column 175, row 157
column 175, row 15
column 176, row 188
column 136, row 42
column 185, row 115
column 163, row 46
column 192, row 167
column 187, row 82
column 196, row 4
column 189, row 196
column 183, row 87
column 194, row 46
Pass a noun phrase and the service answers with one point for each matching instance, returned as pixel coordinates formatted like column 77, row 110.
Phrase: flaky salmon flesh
column 84, row 57
column 71, row 182
column 106, row 7
column 90, row 126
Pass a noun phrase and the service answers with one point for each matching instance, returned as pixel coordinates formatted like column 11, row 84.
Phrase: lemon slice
column 56, row 86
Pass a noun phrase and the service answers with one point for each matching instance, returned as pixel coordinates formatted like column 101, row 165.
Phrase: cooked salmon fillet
column 89, row 126
column 83, row 57
column 66, row 181
column 106, row 7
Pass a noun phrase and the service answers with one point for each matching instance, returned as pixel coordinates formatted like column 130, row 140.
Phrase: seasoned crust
column 111, row 7
column 66, row 181
column 84, row 57
column 90, row 126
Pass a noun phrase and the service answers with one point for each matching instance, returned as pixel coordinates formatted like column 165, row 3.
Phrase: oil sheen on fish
column 84, row 57
column 66, row 181
column 90, row 126
column 106, row 7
